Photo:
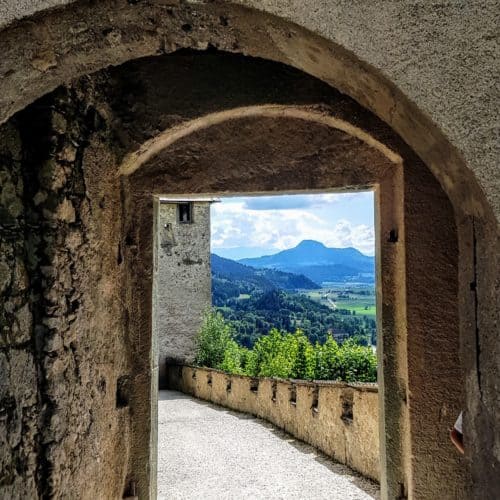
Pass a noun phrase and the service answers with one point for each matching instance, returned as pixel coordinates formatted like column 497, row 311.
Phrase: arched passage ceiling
column 263, row 152
column 254, row 126
column 248, row 115
column 59, row 45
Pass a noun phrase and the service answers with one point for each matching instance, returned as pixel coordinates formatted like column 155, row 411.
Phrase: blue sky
column 262, row 225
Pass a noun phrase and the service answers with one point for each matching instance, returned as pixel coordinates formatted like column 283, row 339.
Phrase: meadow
column 358, row 299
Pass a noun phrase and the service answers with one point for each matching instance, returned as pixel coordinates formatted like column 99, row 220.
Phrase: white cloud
column 234, row 225
column 300, row 201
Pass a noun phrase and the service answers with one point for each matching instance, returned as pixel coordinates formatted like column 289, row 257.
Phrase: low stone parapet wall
column 339, row 419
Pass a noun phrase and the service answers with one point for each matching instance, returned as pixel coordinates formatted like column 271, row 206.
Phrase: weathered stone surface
column 18, row 380
column 5, row 276
column 83, row 234
column 182, row 281
column 215, row 456
column 65, row 211
column 49, row 372
column 352, row 442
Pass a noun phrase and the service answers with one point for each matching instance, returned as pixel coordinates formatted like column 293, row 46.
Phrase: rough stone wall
column 182, row 280
column 60, row 353
column 339, row 419
column 430, row 51
column 436, row 374
column 107, row 319
column 19, row 382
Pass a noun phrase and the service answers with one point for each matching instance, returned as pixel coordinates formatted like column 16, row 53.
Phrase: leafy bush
column 358, row 363
column 283, row 355
column 274, row 355
column 328, row 360
column 214, row 338
column 304, row 366
column 232, row 360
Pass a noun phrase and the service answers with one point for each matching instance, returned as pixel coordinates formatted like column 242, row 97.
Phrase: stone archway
column 89, row 38
column 209, row 153
column 168, row 137
column 56, row 58
column 224, row 153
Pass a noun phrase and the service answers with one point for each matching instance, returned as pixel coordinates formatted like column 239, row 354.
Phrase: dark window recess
column 315, row 401
column 293, row 395
column 185, row 213
column 228, row 385
column 209, row 379
column 274, row 389
column 347, row 407
column 123, row 391
column 254, row 385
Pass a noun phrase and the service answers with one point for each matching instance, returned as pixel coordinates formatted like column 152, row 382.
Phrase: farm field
column 254, row 301
column 359, row 299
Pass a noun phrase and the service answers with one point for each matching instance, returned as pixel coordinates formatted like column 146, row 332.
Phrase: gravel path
column 208, row 452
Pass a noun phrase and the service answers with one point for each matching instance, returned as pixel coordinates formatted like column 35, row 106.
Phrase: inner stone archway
column 303, row 151
column 83, row 197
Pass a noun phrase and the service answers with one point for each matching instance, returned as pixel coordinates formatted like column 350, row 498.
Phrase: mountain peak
column 311, row 244
column 318, row 262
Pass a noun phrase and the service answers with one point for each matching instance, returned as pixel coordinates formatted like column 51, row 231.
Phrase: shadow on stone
column 368, row 486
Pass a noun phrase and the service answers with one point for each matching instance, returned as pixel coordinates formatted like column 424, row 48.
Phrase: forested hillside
column 254, row 301
column 254, row 316
column 231, row 280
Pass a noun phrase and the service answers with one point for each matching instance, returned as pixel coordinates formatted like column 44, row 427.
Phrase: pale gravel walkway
column 211, row 453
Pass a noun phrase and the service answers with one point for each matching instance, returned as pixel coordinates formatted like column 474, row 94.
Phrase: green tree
column 275, row 355
column 330, row 367
column 235, row 358
column 214, row 338
column 304, row 366
column 359, row 363
column 283, row 355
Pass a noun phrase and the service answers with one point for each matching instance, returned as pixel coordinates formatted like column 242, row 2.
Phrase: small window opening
column 315, row 401
column 347, row 407
column 274, row 389
column 293, row 395
column 228, row 385
column 254, row 385
column 185, row 213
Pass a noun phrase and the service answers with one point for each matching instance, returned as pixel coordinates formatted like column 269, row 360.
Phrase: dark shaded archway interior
column 77, row 241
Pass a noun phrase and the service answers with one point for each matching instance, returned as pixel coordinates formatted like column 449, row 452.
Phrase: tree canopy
column 283, row 354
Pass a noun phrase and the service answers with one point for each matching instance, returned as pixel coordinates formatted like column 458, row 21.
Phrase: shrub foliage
column 283, row 355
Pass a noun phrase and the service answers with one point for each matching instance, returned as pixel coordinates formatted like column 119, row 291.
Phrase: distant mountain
column 238, row 253
column 255, row 300
column 319, row 263
column 262, row 279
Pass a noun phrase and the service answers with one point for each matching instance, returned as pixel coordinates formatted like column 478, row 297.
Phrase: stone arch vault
column 62, row 155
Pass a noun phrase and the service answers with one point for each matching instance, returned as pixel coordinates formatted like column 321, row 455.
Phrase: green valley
column 255, row 300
